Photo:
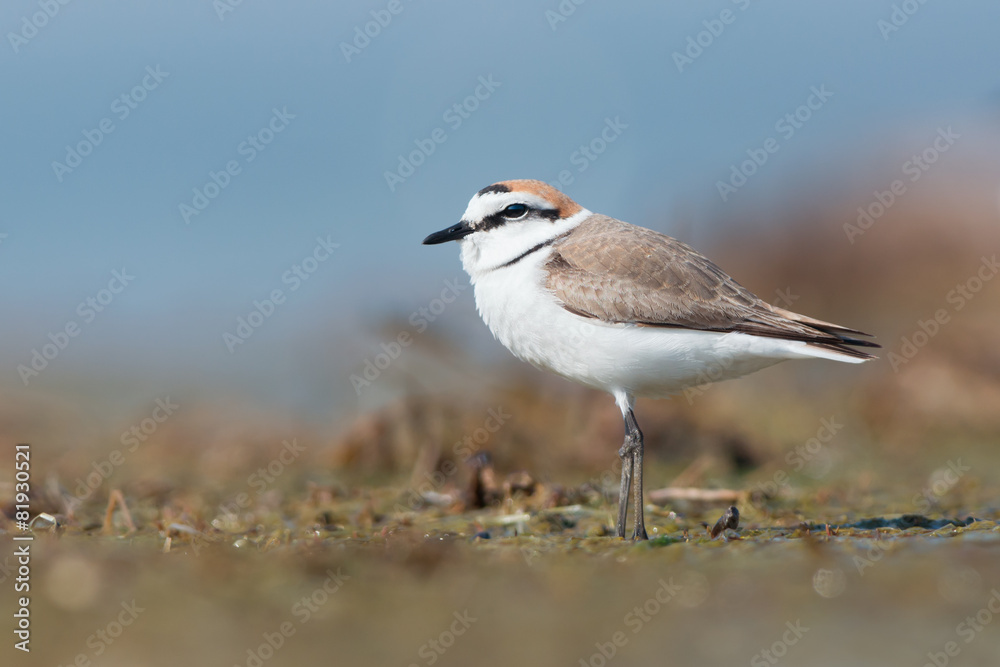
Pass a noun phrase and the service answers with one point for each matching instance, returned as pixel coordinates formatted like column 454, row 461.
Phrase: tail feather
column 846, row 343
column 842, row 349
column 820, row 325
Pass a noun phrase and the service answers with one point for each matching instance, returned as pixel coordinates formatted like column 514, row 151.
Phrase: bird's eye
column 514, row 211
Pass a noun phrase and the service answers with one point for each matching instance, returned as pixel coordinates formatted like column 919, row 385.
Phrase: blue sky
column 224, row 82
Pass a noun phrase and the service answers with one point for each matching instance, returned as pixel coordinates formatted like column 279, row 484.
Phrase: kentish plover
column 621, row 308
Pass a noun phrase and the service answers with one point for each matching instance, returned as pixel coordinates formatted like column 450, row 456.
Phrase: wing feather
column 616, row 272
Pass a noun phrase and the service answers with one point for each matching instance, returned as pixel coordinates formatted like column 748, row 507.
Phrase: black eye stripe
column 497, row 220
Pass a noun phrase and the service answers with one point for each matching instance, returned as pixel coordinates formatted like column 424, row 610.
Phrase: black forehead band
column 496, row 187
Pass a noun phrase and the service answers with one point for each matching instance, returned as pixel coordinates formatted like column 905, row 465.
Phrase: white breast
column 642, row 361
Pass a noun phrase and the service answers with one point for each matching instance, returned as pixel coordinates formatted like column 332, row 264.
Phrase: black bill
column 453, row 233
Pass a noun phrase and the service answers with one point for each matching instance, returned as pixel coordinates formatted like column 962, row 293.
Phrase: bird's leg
column 631, row 456
column 635, row 438
column 625, row 453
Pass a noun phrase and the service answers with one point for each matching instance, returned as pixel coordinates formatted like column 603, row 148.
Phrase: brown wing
column 616, row 272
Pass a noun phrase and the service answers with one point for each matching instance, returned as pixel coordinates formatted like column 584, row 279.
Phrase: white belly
column 642, row 361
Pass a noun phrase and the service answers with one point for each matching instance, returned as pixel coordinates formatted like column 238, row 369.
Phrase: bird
column 621, row 308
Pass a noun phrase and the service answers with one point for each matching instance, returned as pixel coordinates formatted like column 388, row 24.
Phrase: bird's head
column 508, row 218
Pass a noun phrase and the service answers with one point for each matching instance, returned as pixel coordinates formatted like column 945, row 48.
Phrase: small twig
column 663, row 496
column 116, row 498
